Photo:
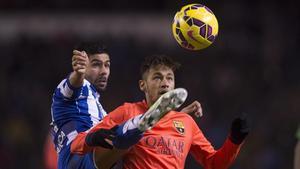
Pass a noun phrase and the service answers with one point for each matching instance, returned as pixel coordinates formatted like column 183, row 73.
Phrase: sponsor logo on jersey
column 179, row 126
column 165, row 145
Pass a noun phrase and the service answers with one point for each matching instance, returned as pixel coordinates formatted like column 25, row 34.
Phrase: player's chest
column 168, row 137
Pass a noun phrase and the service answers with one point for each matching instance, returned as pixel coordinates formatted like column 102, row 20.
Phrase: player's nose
column 165, row 84
column 103, row 71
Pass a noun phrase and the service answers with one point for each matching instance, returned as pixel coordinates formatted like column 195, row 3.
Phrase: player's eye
column 96, row 64
column 170, row 78
column 107, row 65
column 156, row 77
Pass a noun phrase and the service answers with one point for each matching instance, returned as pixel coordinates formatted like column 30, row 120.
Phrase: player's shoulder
column 183, row 114
column 62, row 83
column 126, row 111
column 135, row 108
column 134, row 104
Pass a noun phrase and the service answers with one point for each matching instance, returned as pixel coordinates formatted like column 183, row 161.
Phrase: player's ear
column 142, row 85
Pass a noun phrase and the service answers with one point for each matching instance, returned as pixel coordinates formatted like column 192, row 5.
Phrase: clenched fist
column 80, row 62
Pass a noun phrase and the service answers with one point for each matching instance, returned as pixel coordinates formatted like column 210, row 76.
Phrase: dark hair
column 155, row 60
column 92, row 48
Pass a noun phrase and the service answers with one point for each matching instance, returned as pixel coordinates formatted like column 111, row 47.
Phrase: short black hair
column 92, row 48
column 155, row 60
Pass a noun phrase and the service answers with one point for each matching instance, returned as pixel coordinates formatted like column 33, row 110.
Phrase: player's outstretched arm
column 120, row 136
column 222, row 158
column 80, row 62
column 112, row 131
column 240, row 128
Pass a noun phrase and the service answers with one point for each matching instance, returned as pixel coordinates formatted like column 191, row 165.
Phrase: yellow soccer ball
column 195, row 27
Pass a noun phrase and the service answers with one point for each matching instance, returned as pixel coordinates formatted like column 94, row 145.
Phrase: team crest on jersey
column 179, row 126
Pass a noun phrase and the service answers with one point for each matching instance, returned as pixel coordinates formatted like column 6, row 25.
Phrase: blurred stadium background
column 253, row 67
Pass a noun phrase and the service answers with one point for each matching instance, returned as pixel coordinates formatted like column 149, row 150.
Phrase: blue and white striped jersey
column 77, row 106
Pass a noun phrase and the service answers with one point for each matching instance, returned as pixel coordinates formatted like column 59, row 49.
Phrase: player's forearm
column 120, row 136
column 87, row 141
column 225, row 156
column 76, row 79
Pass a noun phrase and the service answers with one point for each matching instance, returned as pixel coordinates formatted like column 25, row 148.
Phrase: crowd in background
column 252, row 67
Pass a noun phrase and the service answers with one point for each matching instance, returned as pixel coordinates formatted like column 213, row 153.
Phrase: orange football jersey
column 167, row 144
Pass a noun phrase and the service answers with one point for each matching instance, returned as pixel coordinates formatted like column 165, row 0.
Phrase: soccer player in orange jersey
column 168, row 143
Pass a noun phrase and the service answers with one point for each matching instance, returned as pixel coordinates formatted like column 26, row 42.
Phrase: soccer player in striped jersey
column 168, row 143
column 76, row 106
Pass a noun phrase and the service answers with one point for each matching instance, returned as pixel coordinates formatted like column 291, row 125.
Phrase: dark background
column 252, row 67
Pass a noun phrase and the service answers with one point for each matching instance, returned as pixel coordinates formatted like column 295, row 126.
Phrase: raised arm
column 80, row 62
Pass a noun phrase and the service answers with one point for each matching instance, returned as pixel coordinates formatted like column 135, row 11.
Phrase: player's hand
column 240, row 128
column 101, row 137
column 120, row 136
column 194, row 108
column 80, row 62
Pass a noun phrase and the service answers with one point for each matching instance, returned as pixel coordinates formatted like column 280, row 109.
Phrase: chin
column 101, row 88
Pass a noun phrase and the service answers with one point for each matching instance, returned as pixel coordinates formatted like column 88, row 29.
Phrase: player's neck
column 149, row 102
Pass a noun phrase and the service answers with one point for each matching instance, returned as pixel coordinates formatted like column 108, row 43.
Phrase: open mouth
column 163, row 92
